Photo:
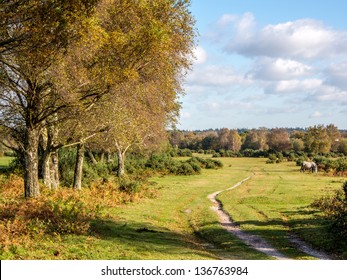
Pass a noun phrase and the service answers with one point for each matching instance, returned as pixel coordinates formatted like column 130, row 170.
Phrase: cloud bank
column 297, row 66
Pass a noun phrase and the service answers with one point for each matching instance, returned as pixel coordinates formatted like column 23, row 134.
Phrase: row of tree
column 102, row 75
column 318, row 139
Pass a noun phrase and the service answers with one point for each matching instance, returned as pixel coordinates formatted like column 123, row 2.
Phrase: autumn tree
column 229, row 139
column 34, row 36
column 223, row 137
column 342, row 148
column 164, row 36
column 256, row 139
column 317, row 140
column 278, row 140
column 334, row 136
column 235, row 141
column 298, row 144
column 135, row 71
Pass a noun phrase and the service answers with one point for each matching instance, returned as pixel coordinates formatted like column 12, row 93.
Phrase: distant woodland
column 314, row 140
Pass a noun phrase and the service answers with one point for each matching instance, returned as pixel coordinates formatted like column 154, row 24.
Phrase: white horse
column 309, row 165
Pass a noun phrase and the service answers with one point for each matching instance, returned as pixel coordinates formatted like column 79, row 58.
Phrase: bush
column 334, row 209
column 206, row 163
column 128, row 186
column 196, row 167
column 254, row 153
column 159, row 162
column 341, row 165
column 291, row 157
column 185, row 169
column 184, row 153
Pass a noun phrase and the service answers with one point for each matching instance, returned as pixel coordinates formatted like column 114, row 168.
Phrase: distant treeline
column 313, row 140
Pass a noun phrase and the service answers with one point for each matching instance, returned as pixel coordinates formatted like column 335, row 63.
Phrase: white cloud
column 337, row 75
column 281, row 74
column 185, row 115
column 331, row 95
column 215, row 76
column 295, row 86
column 200, row 55
column 226, row 19
column 220, row 105
column 316, row 114
column 279, row 69
column 305, row 38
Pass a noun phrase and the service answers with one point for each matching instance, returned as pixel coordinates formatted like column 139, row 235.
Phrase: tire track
column 255, row 241
column 251, row 240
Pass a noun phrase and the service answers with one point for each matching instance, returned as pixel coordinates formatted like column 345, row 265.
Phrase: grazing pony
column 309, row 165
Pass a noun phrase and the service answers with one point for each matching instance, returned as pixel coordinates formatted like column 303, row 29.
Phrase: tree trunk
column 50, row 169
column 121, row 160
column 54, row 170
column 102, row 157
column 31, row 176
column 90, row 154
column 46, row 172
column 109, row 157
column 77, row 184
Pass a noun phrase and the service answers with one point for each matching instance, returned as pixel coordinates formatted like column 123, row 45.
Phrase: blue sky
column 267, row 63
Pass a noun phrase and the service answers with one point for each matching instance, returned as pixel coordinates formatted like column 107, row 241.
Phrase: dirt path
column 255, row 241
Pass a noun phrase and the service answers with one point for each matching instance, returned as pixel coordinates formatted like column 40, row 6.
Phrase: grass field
column 179, row 224
column 274, row 205
column 5, row 161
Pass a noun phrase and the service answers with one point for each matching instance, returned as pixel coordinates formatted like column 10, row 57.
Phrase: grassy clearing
column 179, row 224
column 274, row 203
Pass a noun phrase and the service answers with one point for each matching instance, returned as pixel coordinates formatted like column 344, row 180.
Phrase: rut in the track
column 252, row 240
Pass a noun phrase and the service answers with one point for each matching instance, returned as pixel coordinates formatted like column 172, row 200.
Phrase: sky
column 267, row 64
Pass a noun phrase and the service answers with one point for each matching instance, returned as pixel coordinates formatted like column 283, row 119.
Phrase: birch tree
column 33, row 37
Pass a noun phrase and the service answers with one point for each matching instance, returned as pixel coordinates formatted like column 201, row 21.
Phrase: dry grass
column 55, row 213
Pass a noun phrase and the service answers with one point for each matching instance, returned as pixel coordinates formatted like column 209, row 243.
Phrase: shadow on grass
column 311, row 228
column 229, row 246
column 145, row 242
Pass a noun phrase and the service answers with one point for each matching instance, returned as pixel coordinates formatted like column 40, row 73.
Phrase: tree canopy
column 72, row 69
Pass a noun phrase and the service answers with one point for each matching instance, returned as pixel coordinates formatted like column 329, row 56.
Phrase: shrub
column 291, row 157
column 185, row 169
column 128, row 186
column 196, row 167
column 159, row 162
column 184, row 153
column 334, row 209
column 206, row 163
column 273, row 157
column 216, row 155
column 341, row 165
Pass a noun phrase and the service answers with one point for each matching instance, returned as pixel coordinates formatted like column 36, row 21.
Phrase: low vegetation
column 169, row 217
column 334, row 208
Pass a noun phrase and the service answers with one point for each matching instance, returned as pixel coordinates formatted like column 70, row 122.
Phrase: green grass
column 5, row 162
column 275, row 203
column 179, row 223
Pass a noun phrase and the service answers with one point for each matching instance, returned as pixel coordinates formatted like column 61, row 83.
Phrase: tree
column 223, row 137
column 334, row 136
column 342, row 148
column 256, row 139
column 298, row 144
column 161, row 36
column 136, row 70
column 229, row 139
column 278, row 140
column 34, row 36
column 317, row 140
